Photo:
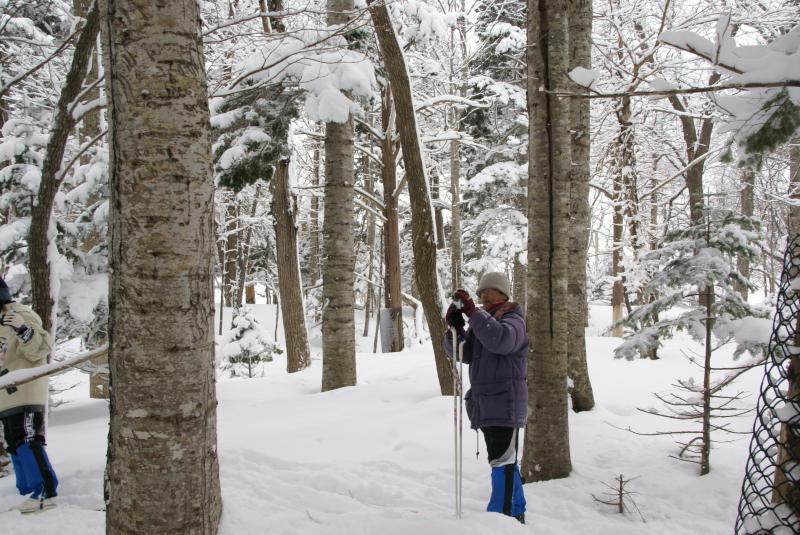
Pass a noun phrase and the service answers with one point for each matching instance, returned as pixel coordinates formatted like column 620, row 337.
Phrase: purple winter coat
column 496, row 352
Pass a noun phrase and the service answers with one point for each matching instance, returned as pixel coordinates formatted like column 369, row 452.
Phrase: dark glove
column 467, row 304
column 453, row 318
column 14, row 320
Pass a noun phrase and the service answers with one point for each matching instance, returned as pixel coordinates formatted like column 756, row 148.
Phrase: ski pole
column 460, row 424
column 458, row 416
column 454, row 334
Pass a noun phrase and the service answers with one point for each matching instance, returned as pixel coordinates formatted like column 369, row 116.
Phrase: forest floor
column 377, row 458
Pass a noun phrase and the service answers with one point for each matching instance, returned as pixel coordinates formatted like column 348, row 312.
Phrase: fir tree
column 244, row 349
column 697, row 282
column 691, row 262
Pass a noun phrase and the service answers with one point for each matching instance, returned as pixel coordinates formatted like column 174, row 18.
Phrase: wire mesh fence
column 770, row 500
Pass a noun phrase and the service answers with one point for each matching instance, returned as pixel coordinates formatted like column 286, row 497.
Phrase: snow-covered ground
column 377, row 458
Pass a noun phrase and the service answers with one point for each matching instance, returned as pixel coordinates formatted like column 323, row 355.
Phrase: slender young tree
column 162, row 473
column 391, row 234
column 39, row 235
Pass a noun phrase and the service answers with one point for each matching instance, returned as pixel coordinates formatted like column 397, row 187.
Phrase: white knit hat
column 497, row 281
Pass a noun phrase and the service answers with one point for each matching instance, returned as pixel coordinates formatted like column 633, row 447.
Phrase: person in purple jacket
column 496, row 349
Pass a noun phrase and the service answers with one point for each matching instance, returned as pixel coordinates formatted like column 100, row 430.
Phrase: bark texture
column 423, row 234
column 580, row 34
column 52, row 176
column 162, row 473
column 298, row 356
column 546, row 450
column 338, row 322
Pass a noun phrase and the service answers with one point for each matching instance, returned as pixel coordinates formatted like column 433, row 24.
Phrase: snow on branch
column 319, row 62
column 20, row 377
column 452, row 99
column 21, row 76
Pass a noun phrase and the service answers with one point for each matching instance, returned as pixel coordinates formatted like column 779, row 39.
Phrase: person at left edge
column 25, row 344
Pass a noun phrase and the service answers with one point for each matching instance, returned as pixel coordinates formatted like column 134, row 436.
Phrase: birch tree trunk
column 314, row 252
column 162, row 473
column 289, row 282
column 546, row 450
column 338, row 323
column 391, row 233
column 371, row 224
column 580, row 33
column 40, row 232
column 455, row 214
column 423, row 234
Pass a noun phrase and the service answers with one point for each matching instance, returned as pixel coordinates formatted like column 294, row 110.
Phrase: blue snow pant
column 507, row 496
column 25, row 444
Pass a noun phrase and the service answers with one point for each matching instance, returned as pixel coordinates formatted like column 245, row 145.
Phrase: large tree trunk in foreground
column 783, row 490
column 338, row 322
column 423, row 234
column 52, row 174
column 294, row 323
column 546, row 449
column 162, row 473
column 580, row 32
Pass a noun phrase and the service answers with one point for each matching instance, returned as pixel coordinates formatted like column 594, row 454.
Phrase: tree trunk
column 243, row 260
column 291, row 286
column 231, row 250
column 618, row 289
column 440, row 241
column 746, row 199
column 519, row 282
column 455, row 214
column 90, row 123
column 546, row 450
column 370, row 297
column 705, row 448
column 697, row 146
column 162, row 473
column 784, row 491
column 580, row 33
column 338, row 323
column 250, row 294
column 423, row 234
column 391, row 233
column 42, row 229
column 314, row 252
column 793, row 219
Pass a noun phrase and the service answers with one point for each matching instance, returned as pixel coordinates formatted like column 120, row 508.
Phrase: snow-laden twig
column 20, row 77
column 20, row 377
